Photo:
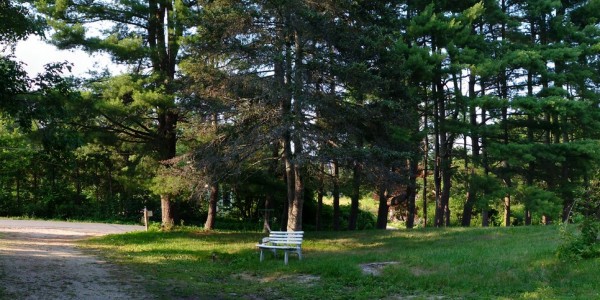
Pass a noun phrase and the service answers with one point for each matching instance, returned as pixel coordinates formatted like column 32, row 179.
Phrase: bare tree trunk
column 383, row 209
column 320, row 194
column 425, row 166
column 336, row 196
column 527, row 217
column 530, row 166
column 485, row 218
column 546, row 220
column 295, row 210
column 468, row 208
column 212, row 207
column 289, row 177
column 445, row 157
column 353, row 220
column 296, row 207
column 267, row 214
column 167, row 217
column 507, row 210
column 437, row 174
column 470, row 201
column 411, row 191
column 446, row 193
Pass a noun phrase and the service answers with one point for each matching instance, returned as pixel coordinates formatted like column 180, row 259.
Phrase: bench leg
column 299, row 254
column 285, row 259
column 262, row 256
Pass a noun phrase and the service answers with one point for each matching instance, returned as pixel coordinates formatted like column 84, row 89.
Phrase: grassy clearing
column 475, row 263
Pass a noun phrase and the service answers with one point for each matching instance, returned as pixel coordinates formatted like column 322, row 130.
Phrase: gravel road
column 39, row 260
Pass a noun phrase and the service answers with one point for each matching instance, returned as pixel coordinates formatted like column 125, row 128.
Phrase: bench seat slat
column 283, row 240
column 276, row 247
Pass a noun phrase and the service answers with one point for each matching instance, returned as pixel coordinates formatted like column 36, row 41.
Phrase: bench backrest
column 286, row 237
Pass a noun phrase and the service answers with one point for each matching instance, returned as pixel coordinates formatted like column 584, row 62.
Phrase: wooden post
column 146, row 218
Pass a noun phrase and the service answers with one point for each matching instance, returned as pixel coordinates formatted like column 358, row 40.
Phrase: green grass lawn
column 457, row 263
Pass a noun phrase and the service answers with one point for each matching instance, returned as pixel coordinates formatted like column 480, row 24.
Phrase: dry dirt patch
column 40, row 260
column 304, row 279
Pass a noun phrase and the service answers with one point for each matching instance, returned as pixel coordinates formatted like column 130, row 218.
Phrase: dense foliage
column 440, row 113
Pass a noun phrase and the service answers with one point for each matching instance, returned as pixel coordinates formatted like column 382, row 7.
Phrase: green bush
column 581, row 243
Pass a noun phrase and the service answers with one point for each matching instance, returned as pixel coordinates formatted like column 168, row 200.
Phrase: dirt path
column 39, row 260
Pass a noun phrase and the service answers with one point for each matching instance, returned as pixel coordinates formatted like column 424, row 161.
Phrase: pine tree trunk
column 445, row 159
column 425, row 166
column 289, row 178
column 484, row 161
column 437, row 174
column 411, row 191
column 470, row 201
column 320, row 194
column 295, row 210
column 383, row 208
column 167, row 144
column 166, row 213
column 354, row 199
column 527, row 217
column 296, row 207
column 212, row 207
column 446, row 193
column 337, row 214
column 507, row 210
column 485, row 218
column 530, row 165
column 267, row 214
column 468, row 207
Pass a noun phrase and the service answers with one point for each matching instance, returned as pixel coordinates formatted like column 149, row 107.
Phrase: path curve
column 39, row 260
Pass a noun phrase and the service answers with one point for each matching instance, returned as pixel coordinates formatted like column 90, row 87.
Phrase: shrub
column 581, row 243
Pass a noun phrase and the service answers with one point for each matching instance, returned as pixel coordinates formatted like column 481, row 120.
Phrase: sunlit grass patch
column 474, row 263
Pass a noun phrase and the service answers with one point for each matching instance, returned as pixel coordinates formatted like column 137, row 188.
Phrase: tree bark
column 485, row 218
column 437, row 175
column 267, row 214
column 320, row 194
column 354, row 199
column 425, row 166
column 507, row 210
column 212, row 207
column 530, row 165
column 336, row 196
column 411, row 191
column 470, row 201
column 166, row 213
column 383, row 208
column 296, row 207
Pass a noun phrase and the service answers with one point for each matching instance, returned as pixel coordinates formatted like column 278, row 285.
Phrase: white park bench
column 287, row 241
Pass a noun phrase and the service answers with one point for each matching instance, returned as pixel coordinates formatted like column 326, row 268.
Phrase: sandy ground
column 39, row 260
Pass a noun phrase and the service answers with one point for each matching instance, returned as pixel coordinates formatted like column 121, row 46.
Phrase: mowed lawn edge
column 454, row 263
